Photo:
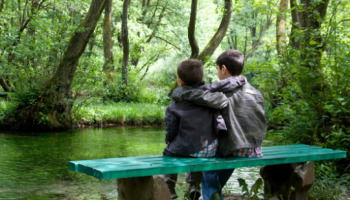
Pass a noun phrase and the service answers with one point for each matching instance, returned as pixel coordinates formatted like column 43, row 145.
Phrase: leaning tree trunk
column 192, row 30
column 108, row 67
column 52, row 108
column 125, row 42
column 281, row 27
column 219, row 35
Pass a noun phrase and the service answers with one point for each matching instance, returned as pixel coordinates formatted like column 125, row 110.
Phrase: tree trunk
column 5, row 86
column 281, row 27
column 108, row 67
column 257, row 41
column 307, row 40
column 52, row 108
column 125, row 42
column 145, row 5
column 2, row 5
column 192, row 30
column 253, row 29
column 295, row 23
column 220, row 33
column 245, row 42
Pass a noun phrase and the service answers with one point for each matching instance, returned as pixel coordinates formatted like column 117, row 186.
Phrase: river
column 34, row 166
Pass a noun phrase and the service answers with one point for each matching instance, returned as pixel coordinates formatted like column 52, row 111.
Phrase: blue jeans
column 213, row 182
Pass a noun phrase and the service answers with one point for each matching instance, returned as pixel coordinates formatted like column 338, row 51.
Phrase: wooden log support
column 288, row 181
column 143, row 188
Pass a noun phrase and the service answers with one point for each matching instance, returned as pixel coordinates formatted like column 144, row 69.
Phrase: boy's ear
column 224, row 68
column 179, row 82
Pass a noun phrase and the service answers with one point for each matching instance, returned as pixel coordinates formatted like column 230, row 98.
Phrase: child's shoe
column 194, row 192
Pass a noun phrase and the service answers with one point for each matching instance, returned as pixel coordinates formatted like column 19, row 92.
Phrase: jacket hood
column 178, row 92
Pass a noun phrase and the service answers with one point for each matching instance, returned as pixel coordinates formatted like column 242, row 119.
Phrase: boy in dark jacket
column 191, row 130
column 244, row 117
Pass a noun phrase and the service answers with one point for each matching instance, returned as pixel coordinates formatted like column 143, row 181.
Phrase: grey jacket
column 191, row 127
column 244, row 115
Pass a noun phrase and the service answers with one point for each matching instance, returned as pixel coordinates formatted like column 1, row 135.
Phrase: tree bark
column 125, row 42
column 295, row 23
column 5, row 86
column 2, row 5
column 281, row 27
column 257, row 41
column 220, row 33
column 307, row 20
column 108, row 67
column 192, row 30
column 253, row 29
column 308, row 42
column 52, row 108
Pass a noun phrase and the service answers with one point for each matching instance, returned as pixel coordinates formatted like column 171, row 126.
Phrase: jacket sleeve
column 215, row 100
column 171, row 125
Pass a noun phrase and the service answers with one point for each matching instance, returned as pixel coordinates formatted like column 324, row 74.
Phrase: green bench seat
column 127, row 167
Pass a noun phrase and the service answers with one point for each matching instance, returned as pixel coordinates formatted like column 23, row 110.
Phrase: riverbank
column 118, row 114
column 108, row 114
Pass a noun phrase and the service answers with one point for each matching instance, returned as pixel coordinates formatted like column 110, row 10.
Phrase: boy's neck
column 229, row 76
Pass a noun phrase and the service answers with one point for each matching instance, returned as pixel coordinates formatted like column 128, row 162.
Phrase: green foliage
column 118, row 91
column 253, row 192
column 6, row 108
column 328, row 184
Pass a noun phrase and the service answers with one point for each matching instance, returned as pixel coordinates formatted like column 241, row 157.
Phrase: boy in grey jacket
column 191, row 130
column 244, row 117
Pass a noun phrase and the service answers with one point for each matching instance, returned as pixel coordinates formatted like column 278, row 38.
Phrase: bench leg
column 289, row 181
column 143, row 188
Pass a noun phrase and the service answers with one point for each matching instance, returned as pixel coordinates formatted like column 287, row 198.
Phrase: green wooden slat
column 265, row 150
column 128, row 165
column 124, row 167
column 178, row 162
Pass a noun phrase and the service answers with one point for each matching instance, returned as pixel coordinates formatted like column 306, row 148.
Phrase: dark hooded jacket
column 244, row 114
column 190, row 127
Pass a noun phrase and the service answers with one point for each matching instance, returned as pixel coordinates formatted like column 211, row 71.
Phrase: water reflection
column 35, row 165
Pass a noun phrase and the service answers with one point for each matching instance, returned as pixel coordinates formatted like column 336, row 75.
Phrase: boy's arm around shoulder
column 210, row 95
column 215, row 100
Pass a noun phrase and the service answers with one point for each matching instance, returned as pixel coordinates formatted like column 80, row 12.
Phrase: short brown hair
column 233, row 60
column 190, row 71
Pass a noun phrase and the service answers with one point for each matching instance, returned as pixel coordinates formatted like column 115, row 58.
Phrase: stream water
column 34, row 166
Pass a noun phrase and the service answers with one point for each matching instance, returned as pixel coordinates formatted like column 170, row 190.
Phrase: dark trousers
column 193, row 178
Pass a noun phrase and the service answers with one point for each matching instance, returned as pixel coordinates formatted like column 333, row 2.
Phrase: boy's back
column 245, row 120
column 189, row 128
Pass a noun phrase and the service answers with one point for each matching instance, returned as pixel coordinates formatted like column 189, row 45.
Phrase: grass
column 118, row 114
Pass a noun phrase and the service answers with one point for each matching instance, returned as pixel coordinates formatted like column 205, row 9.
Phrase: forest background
column 81, row 63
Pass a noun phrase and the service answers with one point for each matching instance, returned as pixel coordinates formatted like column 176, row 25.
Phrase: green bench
column 130, row 170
